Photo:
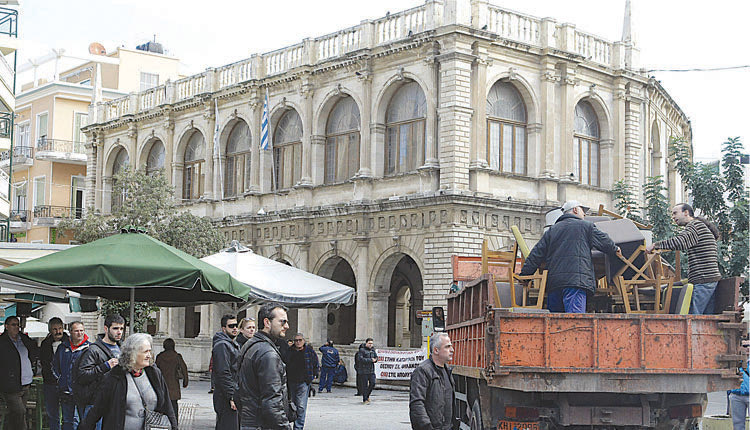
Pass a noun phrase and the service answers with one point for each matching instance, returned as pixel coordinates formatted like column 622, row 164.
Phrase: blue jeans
column 571, row 300
column 738, row 405
column 326, row 378
column 368, row 384
column 82, row 415
column 703, row 299
column 52, row 405
column 70, row 417
column 299, row 391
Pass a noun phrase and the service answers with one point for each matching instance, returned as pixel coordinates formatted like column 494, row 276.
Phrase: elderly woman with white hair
column 132, row 387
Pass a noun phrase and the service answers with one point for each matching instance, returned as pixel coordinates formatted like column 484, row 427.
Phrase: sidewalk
column 340, row 409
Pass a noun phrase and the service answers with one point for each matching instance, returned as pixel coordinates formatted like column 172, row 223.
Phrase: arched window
column 287, row 150
column 342, row 141
column 586, row 144
column 506, row 129
column 121, row 163
column 155, row 160
column 655, row 150
column 193, row 176
column 237, row 174
column 405, row 129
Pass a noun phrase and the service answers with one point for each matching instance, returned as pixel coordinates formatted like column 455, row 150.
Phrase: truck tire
column 475, row 419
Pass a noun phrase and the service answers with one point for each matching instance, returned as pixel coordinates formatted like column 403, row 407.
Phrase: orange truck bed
column 596, row 352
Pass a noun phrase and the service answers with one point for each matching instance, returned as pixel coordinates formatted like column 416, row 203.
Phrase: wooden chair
column 645, row 287
column 532, row 285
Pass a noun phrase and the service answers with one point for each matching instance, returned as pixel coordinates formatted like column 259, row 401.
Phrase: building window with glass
column 405, row 129
column 80, row 120
column 193, row 177
column 342, row 141
column 149, row 80
column 506, row 129
column 20, row 210
column 156, row 156
column 237, row 172
column 586, row 138
column 287, row 150
column 121, row 163
column 42, row 127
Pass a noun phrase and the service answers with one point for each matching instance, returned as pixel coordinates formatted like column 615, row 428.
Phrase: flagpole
column 266, row 143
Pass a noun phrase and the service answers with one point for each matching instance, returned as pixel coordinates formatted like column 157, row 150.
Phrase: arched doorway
column 404, row 299
column 340, row 321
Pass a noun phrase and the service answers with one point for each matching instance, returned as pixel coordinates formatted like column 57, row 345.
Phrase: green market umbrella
column 131, row 266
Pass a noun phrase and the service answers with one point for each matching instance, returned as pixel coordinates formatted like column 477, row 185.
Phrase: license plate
column 516, row 425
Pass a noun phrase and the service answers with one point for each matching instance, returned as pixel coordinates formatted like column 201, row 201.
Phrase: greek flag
column 265, row 140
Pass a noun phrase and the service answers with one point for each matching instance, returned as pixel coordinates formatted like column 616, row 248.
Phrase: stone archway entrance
column 340, row 321
column 404, row 299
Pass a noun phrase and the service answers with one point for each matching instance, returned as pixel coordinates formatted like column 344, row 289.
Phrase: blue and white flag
column 265, row 138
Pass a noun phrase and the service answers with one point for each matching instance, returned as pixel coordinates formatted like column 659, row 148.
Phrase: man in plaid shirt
column 301, row 368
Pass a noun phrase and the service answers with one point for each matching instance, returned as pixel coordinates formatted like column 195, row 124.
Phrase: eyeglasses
column 232, row 325
column 283, row 321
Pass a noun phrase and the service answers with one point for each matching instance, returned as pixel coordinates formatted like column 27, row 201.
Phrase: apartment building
column 49, row 155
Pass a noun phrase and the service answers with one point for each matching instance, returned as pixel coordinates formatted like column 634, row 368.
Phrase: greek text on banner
column 398, row 364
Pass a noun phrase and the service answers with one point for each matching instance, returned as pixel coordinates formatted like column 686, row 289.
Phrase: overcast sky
column 671, row 34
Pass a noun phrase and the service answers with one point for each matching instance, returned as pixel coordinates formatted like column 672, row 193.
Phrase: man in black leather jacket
column 566, row 250
column 54, row 339
column 264, row 397
column 224, row 373
column 432, row 398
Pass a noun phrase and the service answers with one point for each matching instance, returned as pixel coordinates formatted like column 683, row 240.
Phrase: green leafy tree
column 625, row 203
column 657, row 208
column 719, row 194
column 147, row 202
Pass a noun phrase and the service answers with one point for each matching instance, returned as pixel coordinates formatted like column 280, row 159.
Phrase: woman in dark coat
column 173, row 368
column 130, row 384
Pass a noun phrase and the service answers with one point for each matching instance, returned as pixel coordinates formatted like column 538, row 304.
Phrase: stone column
column 205, row 331
column 455, row 111
column 208, row 185
column 162, row 322
column 430, row 134
column 256, row 105
column 378, row 313
column 177, row 170
column 377, row 148
column 169, row 147
column 106, row 195
column 99, row 178
column 176, row 322
column 365, row 143
column 567, row 121
column 307, row 130
column 549, row 149
column 91, row 173
column 617, row 152
column 363, row 330
column 479, row 103
column 633, row 143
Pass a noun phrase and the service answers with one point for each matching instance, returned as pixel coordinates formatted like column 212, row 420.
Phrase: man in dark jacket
column 302, row 368
column 328, row 362
column 432, row 399
column 18, row 357
column 566, row 250
column 62, row 368
column 264, row 397
column 100, row 357
column 54, row 339
column 357, row 368
column 367, row 357
column 224, row 374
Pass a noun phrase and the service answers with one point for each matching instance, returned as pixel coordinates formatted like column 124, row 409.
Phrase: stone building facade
column 397, row 143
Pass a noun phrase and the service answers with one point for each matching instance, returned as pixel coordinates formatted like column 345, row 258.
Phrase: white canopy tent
column 271, row 281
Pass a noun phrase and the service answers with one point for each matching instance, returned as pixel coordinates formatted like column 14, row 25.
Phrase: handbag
column 153, row 420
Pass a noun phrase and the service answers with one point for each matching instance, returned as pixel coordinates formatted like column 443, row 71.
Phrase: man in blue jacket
column 738, row 399
column 566, row 250
column 328, row 362
column 62, row 368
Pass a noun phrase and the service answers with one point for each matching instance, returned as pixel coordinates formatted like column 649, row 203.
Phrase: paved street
column 340, row 409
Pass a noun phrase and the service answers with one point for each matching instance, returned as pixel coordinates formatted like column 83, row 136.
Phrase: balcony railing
column 18, row 215
column 8, row 21
column 48, row 211
column 57, row 145
column 18, row 152
column 6, row 122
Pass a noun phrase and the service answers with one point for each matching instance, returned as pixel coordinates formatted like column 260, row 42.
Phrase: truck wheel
column 475, row 420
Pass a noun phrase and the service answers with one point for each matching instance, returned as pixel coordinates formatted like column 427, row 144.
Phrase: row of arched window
column 507, row 146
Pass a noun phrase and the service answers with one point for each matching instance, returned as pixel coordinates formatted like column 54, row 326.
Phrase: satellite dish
column 97, row 48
